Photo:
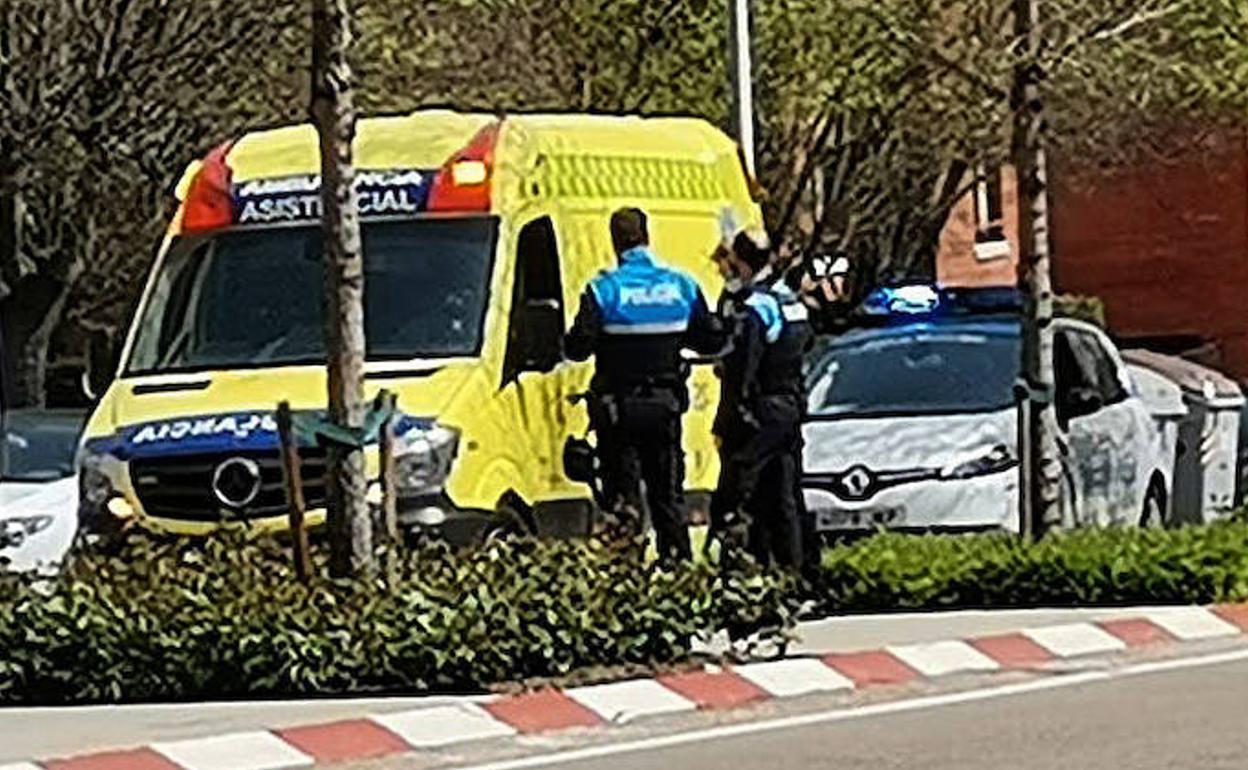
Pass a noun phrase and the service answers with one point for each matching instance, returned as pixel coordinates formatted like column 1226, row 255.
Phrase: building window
column 991, row 242
column 989, row 207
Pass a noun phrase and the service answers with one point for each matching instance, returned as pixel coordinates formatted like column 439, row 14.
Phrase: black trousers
column 639, row 445
column 811, row 546
column 759, row 480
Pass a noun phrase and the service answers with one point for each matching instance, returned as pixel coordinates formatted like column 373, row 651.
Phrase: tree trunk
column 350, row 527
column 1041, row 468
column 35, row 301
column 10, row 237
column 31, row 352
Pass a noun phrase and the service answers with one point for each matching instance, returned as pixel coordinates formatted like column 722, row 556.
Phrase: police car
column 38, row 488
column 912, row 420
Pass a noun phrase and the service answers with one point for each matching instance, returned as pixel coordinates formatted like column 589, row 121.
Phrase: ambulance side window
column 535, row 335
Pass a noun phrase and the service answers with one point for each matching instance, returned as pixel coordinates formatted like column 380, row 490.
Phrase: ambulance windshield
column 251, row 298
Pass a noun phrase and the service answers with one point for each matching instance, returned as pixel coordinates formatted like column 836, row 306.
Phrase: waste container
column 1241, row 489
column 1205, row 467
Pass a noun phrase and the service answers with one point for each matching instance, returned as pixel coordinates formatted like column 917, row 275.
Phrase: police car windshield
column 39, row 445
column 255, row 297
column 918, row 370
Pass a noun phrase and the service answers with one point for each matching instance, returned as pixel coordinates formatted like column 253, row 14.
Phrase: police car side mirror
column 542, row 335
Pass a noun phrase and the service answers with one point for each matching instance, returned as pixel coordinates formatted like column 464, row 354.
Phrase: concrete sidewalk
column 70, row 730
column 859, row 632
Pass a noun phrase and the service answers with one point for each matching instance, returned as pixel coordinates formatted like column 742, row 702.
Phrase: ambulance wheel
column 511, row 519
column 565, row 519
column 498, row 533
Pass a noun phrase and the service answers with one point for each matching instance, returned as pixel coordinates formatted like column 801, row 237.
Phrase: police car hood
column 154, row 413
column 900, row 443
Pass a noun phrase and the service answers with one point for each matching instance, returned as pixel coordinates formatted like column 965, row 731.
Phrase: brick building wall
column 1164, row 244
column 959, row 262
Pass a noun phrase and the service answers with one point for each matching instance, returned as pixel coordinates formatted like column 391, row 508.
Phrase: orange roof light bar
column 463, row 183
column 209, row 201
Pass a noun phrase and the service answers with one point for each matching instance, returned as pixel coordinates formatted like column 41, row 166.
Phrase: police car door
column 1119, row 424
column 1087, row 422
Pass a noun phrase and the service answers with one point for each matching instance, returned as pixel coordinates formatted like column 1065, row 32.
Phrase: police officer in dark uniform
column 636, row 319
column 759, row 419
column 788, row 356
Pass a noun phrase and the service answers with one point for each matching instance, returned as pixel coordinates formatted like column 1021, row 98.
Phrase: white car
column 912, row 424
column 38, row 488
column 38, row 530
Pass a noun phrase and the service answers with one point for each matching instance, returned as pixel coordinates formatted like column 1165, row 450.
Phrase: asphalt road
column 1190, row 719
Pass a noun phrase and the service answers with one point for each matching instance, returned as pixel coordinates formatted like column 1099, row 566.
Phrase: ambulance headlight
column 422, row 459
column 95, row 485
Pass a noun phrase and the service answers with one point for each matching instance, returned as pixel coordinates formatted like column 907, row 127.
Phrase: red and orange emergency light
column 462, row 184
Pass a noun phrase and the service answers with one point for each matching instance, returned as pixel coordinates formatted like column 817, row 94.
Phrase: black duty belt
column 652, row 388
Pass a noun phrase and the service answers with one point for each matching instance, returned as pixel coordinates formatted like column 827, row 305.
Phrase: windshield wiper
column 266, row 353
column 176, row 350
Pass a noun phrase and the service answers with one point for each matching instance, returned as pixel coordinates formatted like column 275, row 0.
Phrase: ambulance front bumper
column 198, row 493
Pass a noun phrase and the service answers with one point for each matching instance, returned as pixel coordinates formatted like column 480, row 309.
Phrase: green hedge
column 1192, row 565
column 227, row 618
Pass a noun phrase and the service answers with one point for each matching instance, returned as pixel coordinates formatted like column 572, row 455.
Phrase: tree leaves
column 102, row 102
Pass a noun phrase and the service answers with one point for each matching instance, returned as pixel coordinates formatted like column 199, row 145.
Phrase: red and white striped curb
column 714, row 688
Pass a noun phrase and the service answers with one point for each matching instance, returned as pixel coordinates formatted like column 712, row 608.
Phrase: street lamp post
column 742, row 66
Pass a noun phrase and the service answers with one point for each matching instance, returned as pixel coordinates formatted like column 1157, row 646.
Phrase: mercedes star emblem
column 236, row 481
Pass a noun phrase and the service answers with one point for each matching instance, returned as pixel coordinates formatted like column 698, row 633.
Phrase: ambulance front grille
column 180, row 488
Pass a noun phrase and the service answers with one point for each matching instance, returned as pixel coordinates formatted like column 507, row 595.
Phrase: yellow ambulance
column 479, row 234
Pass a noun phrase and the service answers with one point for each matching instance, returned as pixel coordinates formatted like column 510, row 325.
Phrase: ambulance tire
column 565, row 519
column 512, row 518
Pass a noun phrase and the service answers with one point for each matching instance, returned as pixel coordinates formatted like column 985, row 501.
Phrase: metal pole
column 297, row 508
column 742, row 74
column 387, row 477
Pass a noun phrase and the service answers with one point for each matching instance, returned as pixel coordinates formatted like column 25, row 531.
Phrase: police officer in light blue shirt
column 635, row 320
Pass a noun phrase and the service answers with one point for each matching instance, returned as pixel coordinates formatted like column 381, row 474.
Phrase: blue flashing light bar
column 914, row 302
column 918, row 299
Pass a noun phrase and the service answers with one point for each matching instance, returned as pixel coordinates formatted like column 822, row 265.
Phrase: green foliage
column 1089, row 567
column 227, row 618
column 1080, row 307
column 108, row 99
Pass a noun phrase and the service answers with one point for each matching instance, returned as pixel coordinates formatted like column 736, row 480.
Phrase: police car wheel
column 1154, row 513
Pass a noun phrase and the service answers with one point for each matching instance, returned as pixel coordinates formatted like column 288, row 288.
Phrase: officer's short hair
column 752, row 249
column 629, row 229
